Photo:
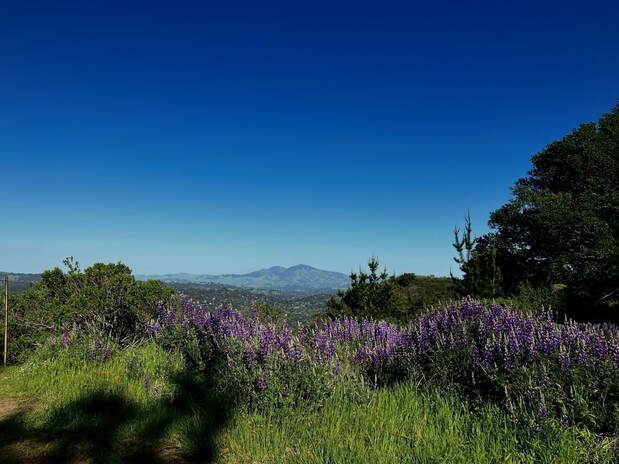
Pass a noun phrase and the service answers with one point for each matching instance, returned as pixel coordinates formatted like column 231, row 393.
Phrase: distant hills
column 18, row 282
column 299, row 278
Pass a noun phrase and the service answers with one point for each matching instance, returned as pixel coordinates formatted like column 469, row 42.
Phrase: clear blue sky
column 225, row 137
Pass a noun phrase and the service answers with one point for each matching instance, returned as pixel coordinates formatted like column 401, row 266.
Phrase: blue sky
column 225, row 137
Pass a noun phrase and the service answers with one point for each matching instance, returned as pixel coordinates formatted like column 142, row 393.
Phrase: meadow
column 470, row 382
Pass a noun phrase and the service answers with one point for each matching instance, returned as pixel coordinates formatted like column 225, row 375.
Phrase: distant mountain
column 299, row 278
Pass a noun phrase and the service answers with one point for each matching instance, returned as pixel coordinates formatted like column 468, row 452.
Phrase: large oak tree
column 561, row 225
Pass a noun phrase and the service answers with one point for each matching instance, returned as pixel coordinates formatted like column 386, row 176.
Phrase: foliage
column 370, row 295
column 267, row 311
column 297, row 306
column 104, row 299
column 395, row 298
column 322, row 393
column 535, row 300
column 477, row 259
column 530, row 365
column 562, row 224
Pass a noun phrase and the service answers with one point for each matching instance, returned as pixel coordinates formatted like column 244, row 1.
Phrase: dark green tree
column 371, row 294
column 561, row 226
column 477, row 259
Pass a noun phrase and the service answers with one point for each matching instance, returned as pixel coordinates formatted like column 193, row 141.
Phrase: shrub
column 104, row 299
column 532, row 366
column 252, row 362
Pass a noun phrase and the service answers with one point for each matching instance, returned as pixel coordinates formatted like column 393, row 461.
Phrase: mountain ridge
column 300, row 277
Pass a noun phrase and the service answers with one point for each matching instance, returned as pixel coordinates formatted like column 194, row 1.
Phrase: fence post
column 6, row 316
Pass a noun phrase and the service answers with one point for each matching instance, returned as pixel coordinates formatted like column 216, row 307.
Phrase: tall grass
column 403, row 424
column 56, row 377
column 104, row 410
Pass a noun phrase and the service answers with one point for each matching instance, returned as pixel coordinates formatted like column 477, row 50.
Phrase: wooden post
column 6, row 316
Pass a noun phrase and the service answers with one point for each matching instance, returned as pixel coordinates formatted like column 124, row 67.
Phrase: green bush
column 104, row 300
column 392, row 298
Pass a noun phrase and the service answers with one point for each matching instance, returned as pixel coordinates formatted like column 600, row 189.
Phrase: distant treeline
column 396, row 298
column 19, row 282
column 294, row 306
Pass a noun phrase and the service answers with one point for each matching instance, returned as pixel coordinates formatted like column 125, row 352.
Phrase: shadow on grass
column 87, row 430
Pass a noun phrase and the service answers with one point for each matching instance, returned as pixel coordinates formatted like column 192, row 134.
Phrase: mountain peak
column 274, row 268
column 302, row 267
column 300, row 277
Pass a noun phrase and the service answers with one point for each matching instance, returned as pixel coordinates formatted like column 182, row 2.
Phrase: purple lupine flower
column 253, row 312
column 488, row 357
column 261, row 383
column 169, row 318
column 336, row 368
column 475, row 353
column 564, row 361
column 106, row 352
column 96, row 346
column 64, row 338
column 160, row 310
column 583, row 356
column 249, row 356
column 147, row 383
column 52, row 335
column 153, row 328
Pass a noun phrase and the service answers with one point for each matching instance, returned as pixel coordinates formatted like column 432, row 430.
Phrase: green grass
column 58, row 378
column 77, row 413
column 404, row 424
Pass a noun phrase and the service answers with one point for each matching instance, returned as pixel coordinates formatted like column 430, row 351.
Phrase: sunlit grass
column 65, row 376
column 407, row 423
column 404, row 424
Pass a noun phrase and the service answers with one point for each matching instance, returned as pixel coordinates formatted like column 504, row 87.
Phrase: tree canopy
column 561, row 224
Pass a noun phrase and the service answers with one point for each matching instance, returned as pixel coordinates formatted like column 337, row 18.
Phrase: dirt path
column 22, row 446
column 14, row 449
column 12, row 406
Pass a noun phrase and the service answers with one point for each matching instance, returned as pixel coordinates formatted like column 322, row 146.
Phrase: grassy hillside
column 118, row 370
column 67, row 409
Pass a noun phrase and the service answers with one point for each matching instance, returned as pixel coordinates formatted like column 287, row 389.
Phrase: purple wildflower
column 64, row 338
column 249, row 356
column 261, row 383
column 153, row 328
column 106, row 352
column 336, row 368
column 564, row 361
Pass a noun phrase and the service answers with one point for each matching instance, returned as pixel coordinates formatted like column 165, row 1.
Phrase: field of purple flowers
column 535, row 368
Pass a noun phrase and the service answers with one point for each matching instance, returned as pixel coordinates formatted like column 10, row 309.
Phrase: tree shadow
column 93, row 428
